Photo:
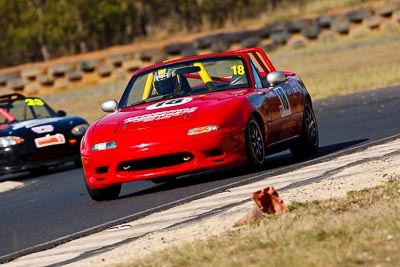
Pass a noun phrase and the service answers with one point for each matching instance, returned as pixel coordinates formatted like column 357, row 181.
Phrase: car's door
column 279, row 101
column 284, row 124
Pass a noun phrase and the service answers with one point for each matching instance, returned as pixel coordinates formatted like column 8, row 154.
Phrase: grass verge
column 362, row 229
column 344, row 66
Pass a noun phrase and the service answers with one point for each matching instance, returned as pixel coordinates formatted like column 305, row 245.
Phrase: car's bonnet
column 165, row 113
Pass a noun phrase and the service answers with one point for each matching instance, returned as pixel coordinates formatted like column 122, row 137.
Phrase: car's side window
column 20, row 111
column 41, row 111
column 258, row 82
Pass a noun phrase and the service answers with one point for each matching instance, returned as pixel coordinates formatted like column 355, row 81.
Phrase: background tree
column 39, row 30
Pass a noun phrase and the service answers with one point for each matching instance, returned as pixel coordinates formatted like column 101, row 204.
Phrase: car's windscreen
column 199, row 76
column 27, row 109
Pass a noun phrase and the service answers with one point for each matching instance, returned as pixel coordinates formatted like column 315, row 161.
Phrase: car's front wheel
column 38, row 171
column 308, row 142
column 78, row 163
column 108, row 193
column 255, row 148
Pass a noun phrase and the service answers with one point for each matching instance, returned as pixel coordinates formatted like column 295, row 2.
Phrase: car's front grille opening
column 155, row 162
column 215, row 155
column 102, row 169
column 215, row 152
column 49, row 153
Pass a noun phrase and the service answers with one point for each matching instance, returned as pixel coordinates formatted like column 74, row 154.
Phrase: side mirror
column 109, row 105
column 61, row 113
column 276, row 77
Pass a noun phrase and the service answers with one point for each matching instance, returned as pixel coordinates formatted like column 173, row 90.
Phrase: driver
column 165, row 81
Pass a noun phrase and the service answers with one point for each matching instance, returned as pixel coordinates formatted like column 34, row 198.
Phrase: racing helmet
column 165, row 81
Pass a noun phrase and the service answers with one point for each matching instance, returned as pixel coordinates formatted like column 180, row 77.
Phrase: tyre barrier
column 296, row 33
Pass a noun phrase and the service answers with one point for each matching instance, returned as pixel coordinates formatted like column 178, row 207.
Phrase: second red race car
column 194, row 114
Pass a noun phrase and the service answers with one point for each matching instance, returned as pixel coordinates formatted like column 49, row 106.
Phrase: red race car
column 197, row 113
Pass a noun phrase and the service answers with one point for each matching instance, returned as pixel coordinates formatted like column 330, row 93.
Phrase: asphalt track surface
column 55, row 207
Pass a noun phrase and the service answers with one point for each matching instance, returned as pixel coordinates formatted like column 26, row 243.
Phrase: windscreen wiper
column 153, row 99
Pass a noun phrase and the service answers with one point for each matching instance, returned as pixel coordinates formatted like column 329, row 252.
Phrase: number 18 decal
column 238, row 70
column 170, row 103
column 285, row 105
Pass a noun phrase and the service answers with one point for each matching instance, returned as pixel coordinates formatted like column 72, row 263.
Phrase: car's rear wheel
column 108, row 193
column 255, row 148
column 308, row 142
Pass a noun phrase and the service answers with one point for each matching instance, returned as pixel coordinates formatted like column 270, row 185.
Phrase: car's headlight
column 79, row 129
column 10, row 141
column 104, row 146
column 202, row 129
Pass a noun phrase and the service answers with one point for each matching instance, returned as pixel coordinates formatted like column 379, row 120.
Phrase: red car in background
column 197, row 113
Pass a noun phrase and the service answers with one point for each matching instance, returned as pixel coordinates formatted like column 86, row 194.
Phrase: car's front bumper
column 13, row 160
column 104, row 168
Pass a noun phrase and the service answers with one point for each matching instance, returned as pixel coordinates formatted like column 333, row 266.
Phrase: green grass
column 362, row 229
column 346, row 65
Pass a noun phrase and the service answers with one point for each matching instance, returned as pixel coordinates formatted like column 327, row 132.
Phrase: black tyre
column 308, row 142
column 255, row 148
column 108, row 193
column 39, row 171
column 78, row 163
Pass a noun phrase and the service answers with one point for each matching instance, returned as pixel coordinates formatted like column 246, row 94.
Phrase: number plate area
column 50, row 140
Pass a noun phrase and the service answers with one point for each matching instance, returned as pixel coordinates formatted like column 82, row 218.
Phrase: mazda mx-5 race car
column 197, row 113
column 33, row 136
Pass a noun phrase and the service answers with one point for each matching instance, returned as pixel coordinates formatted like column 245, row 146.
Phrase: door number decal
column 284, row 108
